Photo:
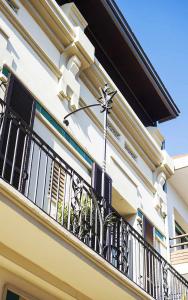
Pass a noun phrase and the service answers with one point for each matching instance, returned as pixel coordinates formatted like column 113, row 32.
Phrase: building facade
column 62, row 236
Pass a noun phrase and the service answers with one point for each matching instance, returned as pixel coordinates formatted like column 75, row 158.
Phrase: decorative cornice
column 122, row 152
column 14, row 20
column 70, row 40
column 55, row 19
column 74, row 15
column 96, row 76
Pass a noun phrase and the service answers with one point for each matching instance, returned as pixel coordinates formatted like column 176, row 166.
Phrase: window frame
column 22, row 295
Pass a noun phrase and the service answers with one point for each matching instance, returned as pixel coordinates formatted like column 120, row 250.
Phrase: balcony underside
column 45, row 250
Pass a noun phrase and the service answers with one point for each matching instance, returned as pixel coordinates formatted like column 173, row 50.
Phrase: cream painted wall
column 177, row 211
column 21, row 287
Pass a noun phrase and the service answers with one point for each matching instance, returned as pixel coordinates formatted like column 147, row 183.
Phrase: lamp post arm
column 81, row 108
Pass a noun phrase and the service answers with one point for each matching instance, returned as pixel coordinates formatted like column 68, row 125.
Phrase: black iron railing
column 33, row 168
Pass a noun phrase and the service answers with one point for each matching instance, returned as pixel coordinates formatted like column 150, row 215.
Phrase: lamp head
column 66, row 122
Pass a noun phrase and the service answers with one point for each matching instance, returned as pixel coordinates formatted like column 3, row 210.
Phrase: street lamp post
column 105, row 102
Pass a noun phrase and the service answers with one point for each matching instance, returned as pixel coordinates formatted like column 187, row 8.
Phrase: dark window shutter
column 96, row 179
column 97, row 183
column 20, row 101
column 108, row 189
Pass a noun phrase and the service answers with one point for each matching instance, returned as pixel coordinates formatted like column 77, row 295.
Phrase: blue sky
column 161, row 26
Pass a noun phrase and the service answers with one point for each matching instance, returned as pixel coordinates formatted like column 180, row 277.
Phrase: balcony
column 31, row 167
column 179, row 254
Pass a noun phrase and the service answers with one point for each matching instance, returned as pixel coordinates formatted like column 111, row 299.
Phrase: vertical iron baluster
column 121, row 246
column 45, row 180
column 149, row 273
column 22, row 161
column 15, row 153
column 90, row 220
column 70, row 202
column 58, row 185
column 37, row 176
column 7, row 147
column 30, row 168
column 96, row 228
column 51, row 187
column 145, row 267
column 118, row 242
column 85, row 219
column 64, row 196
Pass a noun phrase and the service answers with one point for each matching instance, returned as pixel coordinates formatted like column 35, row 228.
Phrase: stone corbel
column 160, row 206
column 69, row 86
column 161, row 179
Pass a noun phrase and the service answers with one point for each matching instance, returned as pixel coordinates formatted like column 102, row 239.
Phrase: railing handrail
column 32, row 132
column 179, row 236
column 179, row 245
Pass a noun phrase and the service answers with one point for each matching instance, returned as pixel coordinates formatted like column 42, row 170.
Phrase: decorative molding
column 14, row 20
column 161, row 179
column 97, row 76
column 61, row 31
column 4, row 33
column 130, row 150
column 156, row 134
column 5, row 55
column 74, row 15
column 113, row 130
column 54, row 18
column 122, row 152
column 59, row 131
column 69, row 87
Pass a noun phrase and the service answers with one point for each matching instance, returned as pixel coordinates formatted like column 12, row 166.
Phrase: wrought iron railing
column 33, row 168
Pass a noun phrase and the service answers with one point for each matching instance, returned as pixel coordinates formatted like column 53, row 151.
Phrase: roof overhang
column 121, row 55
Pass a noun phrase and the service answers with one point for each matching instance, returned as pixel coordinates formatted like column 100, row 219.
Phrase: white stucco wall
column 177, row 211
column 38, row 77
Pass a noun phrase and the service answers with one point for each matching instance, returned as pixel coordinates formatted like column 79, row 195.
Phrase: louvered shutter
column 97, row 183
column 56, row 191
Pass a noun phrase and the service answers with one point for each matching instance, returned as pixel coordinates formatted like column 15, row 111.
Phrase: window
column 130, row 151
column 179, row 231
column 115, row 133
column 148, row 231
column 13, row 5
column 12, row 296
column 11, row 293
